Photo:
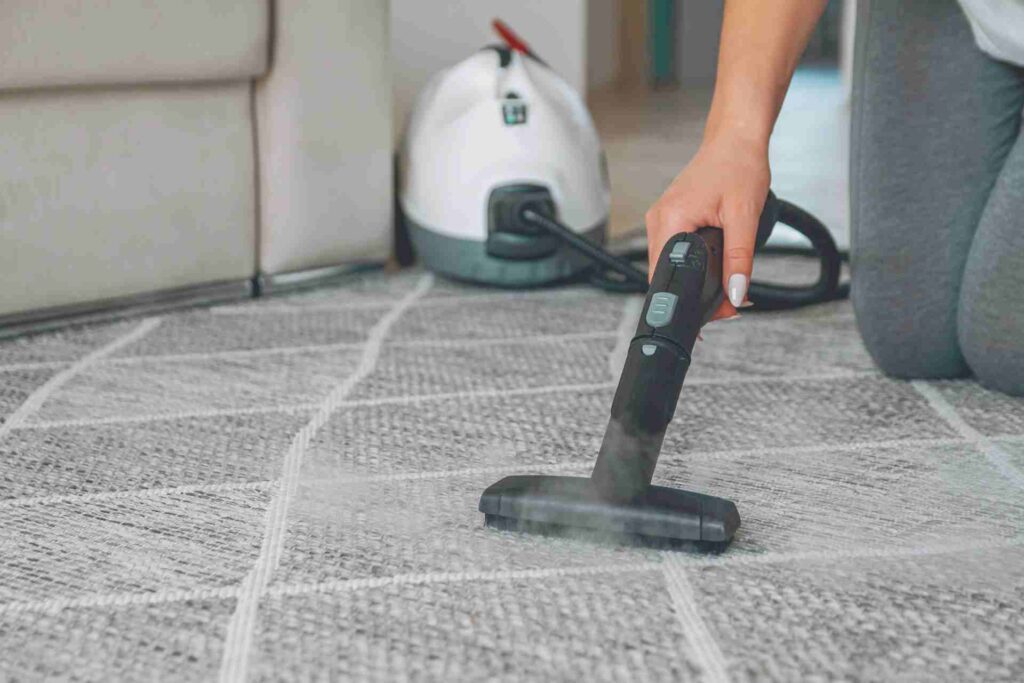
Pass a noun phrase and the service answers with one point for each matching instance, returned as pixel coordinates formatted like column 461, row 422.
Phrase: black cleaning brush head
column 559, row 505
column 618, row 499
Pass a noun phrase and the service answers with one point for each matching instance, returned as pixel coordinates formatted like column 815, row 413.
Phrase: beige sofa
column 154, row 150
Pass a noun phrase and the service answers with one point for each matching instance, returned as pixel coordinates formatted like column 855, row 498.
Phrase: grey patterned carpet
column 286, row 489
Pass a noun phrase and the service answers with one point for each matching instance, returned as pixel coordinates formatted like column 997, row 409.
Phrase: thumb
column 740, row 234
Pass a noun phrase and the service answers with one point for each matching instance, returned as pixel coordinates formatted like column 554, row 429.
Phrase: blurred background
column 167, row 154
column 648, row 68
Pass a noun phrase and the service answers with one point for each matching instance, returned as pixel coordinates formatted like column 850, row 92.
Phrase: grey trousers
column 937, row 197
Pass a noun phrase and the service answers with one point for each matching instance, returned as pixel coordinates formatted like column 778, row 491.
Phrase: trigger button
column 679, row 252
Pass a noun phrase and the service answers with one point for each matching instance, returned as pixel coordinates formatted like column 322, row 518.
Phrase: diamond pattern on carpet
column 17, row 385
column 206, row 332
column 597, row 627
column 359, row 530
column 169, row 387
column 875, row 497
column 74, row 548
column 63, row 346
column 286, row 489
column 955, row 617
column 180, row 641
column 402, row 373
column 100, row 458
column 465, row 319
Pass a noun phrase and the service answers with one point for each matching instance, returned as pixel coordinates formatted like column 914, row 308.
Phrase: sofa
column 156, row 151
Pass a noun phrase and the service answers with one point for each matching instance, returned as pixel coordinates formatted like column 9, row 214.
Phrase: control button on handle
column 661, row 309
column 679, row 252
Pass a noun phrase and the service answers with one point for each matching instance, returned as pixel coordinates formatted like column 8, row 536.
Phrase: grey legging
column 937, row 195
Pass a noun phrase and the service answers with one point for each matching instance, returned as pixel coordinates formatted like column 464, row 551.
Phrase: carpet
column 286, row 489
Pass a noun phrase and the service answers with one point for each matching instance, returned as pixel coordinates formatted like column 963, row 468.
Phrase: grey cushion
column 107, row 193
column 80, row 42
column 324, row 128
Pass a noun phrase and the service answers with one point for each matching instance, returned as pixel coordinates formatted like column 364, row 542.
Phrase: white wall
column 428, row 35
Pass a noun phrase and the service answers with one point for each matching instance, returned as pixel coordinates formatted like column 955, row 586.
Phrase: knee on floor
column 905, row 341
column 983, row 336
column 992, row 341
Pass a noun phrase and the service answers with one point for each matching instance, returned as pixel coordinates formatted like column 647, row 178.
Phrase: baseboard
column 42, row 320
column 282, row 283
column 57, row 317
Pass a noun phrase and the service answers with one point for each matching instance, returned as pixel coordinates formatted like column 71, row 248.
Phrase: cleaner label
column 513, row 112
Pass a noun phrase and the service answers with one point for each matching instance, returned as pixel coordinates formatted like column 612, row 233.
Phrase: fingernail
column 737, row 289
column 731, row 317
column 746, row 304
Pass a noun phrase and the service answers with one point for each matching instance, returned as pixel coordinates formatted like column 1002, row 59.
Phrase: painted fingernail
column 737, row 289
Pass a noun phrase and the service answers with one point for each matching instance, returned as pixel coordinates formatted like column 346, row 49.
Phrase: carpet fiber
column 287, row 489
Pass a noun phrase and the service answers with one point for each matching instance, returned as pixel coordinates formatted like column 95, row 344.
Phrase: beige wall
column 699, row 23
column 428, row 35
column 603, row 28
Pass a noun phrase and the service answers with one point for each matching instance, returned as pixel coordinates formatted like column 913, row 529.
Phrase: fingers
column 740, row 234
column 661, row 226
column 725, row 311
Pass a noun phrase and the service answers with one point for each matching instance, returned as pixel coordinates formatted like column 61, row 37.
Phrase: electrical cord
column 616, row 272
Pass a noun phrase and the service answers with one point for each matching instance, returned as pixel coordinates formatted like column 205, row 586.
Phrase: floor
column 650, row 135
column 286, row 489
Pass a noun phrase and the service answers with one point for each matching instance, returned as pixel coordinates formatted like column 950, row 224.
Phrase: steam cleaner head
column 618, row 498
column 551, row 504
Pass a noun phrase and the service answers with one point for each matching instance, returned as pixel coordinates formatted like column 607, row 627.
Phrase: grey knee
column 909, row 334
column 994, row 354
column 990, row 324
column 917, row 194
column 990, row 319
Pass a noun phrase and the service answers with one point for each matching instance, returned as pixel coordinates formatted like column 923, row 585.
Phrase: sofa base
column 282, row 283
column 43, row 320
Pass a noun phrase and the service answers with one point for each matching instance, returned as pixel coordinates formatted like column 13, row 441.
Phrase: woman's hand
column 724, row 185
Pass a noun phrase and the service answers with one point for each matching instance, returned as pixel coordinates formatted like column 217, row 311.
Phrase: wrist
column 736, row 136
column 743, row 116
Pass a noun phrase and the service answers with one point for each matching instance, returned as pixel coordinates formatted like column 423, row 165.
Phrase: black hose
column 632, row 278
column 617, row 273
column 769, row 297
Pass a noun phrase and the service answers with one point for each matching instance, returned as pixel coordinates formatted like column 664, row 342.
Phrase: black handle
column 685, row 292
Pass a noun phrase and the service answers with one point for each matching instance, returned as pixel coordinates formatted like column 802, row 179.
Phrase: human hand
column 724, row 185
